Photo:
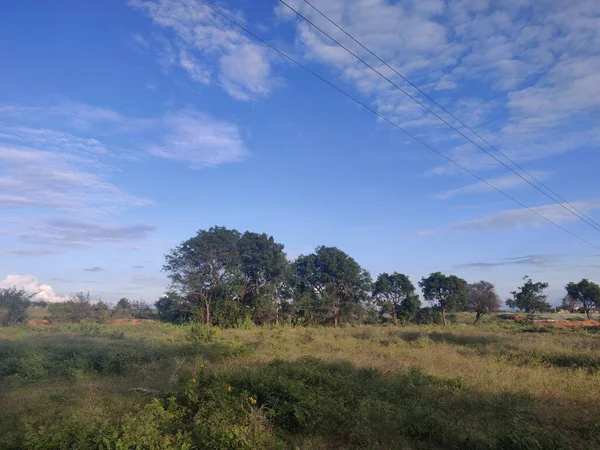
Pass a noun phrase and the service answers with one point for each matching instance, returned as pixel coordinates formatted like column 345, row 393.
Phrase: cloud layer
column 209, row 49
column 32, row 285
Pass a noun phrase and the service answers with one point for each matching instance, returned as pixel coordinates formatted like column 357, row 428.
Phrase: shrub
column 13, row 306
column 199, row 333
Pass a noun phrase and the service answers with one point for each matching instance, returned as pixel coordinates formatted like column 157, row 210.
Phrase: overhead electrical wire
column 571, row 209
column 389, row 121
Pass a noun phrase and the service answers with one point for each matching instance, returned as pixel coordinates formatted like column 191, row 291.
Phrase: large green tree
column 482, row 299
column 586, row 293
column 332, row 279
column 205, row 267
column 530, row 297
column 263, row 266
column 395, row 293
column 448, row 292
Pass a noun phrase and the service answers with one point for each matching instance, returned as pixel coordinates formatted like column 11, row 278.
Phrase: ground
column 500, row 384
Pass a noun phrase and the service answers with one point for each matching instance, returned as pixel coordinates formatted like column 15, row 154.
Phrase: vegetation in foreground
column 160, row 386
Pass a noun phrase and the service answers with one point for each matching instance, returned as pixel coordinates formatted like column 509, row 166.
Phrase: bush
column 13, row 306
column 78, row 308
column 174, row 308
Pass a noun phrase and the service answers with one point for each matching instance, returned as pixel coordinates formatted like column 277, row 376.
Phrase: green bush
column 13, row 306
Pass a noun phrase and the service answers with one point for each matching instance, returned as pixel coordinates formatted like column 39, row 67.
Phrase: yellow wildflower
column 229, row 388
column 252, row 400
column 193, row 379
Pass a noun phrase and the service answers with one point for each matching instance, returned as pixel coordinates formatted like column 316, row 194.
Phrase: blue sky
column 125, row 127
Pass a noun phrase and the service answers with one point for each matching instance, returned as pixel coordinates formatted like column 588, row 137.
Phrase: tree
column 263, row 266
column 332, row 278
column 174, row 308
column 482, row 299
column 204, row 268
column 586, row 293
column 448, row 292
column 530, row 297
column 123, row 303
column 570, row 304
column 396, row 293
column 13, row 305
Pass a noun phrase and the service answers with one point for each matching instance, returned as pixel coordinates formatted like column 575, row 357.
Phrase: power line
column 576, row 212
column 386, row 119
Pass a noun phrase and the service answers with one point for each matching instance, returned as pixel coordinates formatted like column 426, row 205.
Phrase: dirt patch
column 569, row 323
column 129, row 321
column 37, row 322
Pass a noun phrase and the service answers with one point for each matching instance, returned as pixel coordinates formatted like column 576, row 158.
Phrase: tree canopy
column 482, row 299
column 448, row 292
column 395, row 294
column 331, row 279
column 586, row 293
column 530, row 297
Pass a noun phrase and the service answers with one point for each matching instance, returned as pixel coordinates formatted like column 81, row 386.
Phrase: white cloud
column 32, row 285
column 57, row 180
column 518, row 218
column 199, row 140
column 204, row 44
column 535, row 62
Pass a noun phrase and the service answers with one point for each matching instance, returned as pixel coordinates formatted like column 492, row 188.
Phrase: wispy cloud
column 94, row 269
column 527, row 56
column 517, row 218
column 29, row 252
column 504, row 183
column 532, row 260
column 77, row 233
column 199, row 140
column 209, row 49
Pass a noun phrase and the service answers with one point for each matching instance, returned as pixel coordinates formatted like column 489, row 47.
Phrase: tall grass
column 163, row 386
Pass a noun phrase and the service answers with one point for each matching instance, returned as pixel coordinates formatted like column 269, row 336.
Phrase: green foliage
column 395, row 294
column 13, row 306
column 199, row 333
column 530, row 297
column 334, row 280
column 175, row 309
column 78, row 308
column 448, row 292
column 482, row 299
column 585, row 293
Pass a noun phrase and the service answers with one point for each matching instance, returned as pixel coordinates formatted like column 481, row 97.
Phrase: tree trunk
column 444, row 316
column 587, row 313
column 207, row 303
column 395, row 318
column 336, row 312
column 478, row 316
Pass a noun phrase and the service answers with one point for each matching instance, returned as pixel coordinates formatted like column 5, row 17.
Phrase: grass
column 161, row 386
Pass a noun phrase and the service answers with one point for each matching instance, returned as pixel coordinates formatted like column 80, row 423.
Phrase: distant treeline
column 223, row 277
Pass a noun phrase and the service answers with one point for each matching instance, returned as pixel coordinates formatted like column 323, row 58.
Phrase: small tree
column 530, row 297
column 448, row 292
column 570, row 304
column 482, row 299
column 123, row 303
column 396, row 294
column 586, row 293
column 13, row 305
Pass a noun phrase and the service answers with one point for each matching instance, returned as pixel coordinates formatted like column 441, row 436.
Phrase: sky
column 127, row 126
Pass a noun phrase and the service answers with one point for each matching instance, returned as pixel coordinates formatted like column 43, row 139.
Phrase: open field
column 154, row 385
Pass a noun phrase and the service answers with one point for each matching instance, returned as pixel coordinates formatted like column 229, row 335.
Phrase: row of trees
column 225, row 277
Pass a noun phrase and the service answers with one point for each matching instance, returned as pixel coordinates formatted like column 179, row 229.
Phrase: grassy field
column 153, row 385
